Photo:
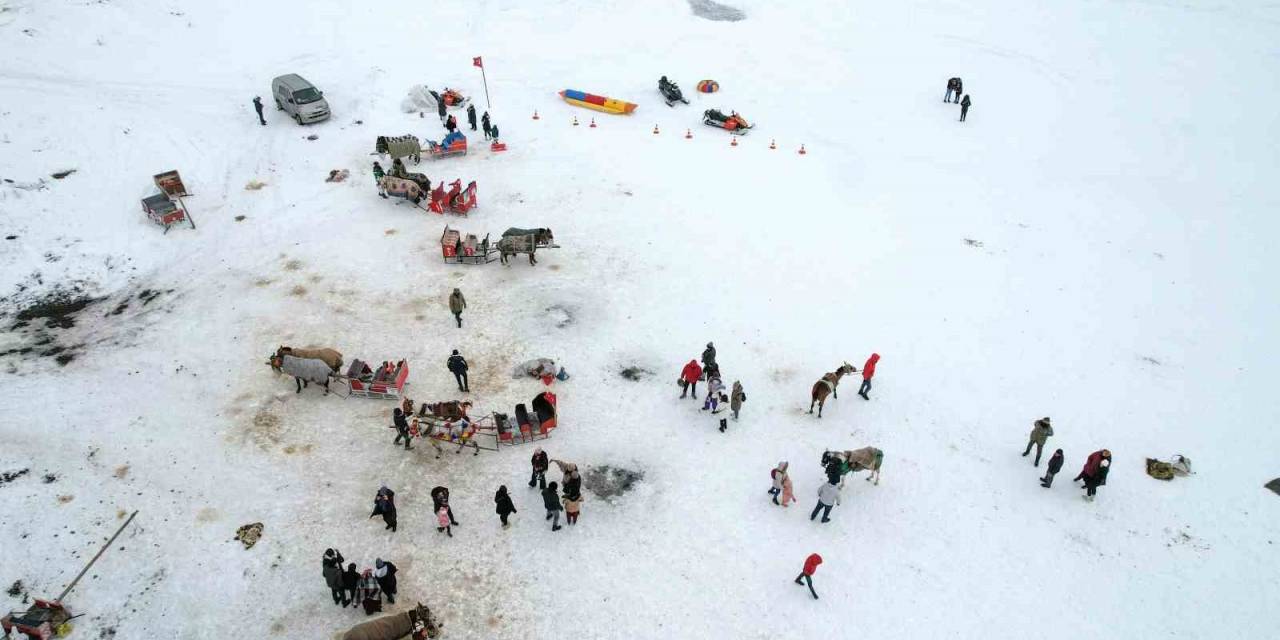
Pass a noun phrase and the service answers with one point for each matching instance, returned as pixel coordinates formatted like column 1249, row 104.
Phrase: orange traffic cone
column 773, row 144
column 575, row 121
column 655, row 129
column 535, row 115
column 593, row 123
column 734, row 142
column 802, row 151
column 688, row 135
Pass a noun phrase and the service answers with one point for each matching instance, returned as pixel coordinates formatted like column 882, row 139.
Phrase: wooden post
column 95, row 559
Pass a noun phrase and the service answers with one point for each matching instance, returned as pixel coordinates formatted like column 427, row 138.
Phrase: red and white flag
column 477, row 62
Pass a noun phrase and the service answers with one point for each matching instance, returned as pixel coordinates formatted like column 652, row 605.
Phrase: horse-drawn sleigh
column 167, row 207
column 527, row 241
column 466, row 249
column 323, row 365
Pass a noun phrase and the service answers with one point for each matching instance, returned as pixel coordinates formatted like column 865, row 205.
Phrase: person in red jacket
column 868, row 370
column 1094, row 472
column 810, row 565
column 689, row 378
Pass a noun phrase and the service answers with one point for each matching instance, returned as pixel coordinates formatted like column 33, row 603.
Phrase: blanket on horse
column 865, row 458
column 308, row 369
column 390, row 627
column 330, row 356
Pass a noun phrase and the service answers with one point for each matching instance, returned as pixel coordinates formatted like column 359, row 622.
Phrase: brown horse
column 827, row 386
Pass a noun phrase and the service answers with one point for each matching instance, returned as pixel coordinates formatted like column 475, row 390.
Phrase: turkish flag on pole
column 477, row 62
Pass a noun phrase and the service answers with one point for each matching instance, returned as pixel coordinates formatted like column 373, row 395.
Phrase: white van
column 299, row 98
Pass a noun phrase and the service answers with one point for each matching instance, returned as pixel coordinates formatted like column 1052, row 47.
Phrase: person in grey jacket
column 827, row 497
column 1040, row 433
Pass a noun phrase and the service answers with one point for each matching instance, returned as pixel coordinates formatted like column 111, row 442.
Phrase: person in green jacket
column 1040, row 433
column 378, row 173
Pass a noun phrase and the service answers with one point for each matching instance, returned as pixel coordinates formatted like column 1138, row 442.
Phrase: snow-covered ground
column 1092, row 245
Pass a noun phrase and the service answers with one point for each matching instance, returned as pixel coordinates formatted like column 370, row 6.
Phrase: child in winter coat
column 1055, row 465
column 442, row 518
column 572, row 505
column 504, row 505
column 788, row 495
column 777, row 474
column 721, row 404
column 714, row 389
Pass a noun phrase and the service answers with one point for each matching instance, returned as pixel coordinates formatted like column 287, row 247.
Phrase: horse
column 330, row 356
column 303, row 370
column 827, row 385
column 515, row 240
column 416, row 623
column 839, row 463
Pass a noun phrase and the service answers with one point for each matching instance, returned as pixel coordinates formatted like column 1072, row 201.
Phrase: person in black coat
column 440, row 498
column 331, row 569
column 350, row 585
column 551, row 500
column 402, row 427
column 384, row 504
column 964, row 107
column 573, row 486
column 440, row 107
column 257, row 106
column 1055, row 465
column 450, row 123
column 493, row 132
column 956, row 86
column 540, row 464
column 504, row 505
column 484, row 124
column 385, row 572
column 471, row 116
column 458, row 365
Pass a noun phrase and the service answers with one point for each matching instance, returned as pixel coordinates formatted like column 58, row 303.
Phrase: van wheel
column 297, row 118
column 279, row 107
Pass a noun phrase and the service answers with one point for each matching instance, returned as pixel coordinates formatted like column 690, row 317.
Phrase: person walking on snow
column 456, row 304
column 956, row 86
column 378, row 174
column 458, row 365
column 331, row 569
column 736, row 398
column 551, row 500
column 1055, row 465
column 1094, row 472
column 384, row 504
column 689, row 378
column 1040, row 433
column 505, row 506
column 385, row 572
column 440, row 498
column 442, row 520
column 540, row 465
column 402, row 427
column 868, row 371
column 484, row 124
column 471, row 116
column 351, row 586
column 827, row 496
column 810, row 566
column 777, row 474
column 964, row 107
column 788, row 493
column 257, row 106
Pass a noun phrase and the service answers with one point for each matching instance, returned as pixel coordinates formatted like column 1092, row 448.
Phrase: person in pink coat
column 788, row 495
column 442, row 517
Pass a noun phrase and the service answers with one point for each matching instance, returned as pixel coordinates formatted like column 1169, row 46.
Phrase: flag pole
column 487, row 104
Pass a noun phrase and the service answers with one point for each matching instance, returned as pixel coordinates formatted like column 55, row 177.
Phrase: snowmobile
column 670, row 92
column 451, row 97
column 733, row 123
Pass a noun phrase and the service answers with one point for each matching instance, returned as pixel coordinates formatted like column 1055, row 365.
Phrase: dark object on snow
column 733, row 123
column 1274, row 485
column 715, row 11
column 670, row 92
column 964, row 107
column 954, row 86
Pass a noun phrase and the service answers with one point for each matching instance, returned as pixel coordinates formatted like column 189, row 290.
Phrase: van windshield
column 306, row 95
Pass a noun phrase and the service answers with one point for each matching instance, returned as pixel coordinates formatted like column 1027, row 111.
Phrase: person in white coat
column 828, row 495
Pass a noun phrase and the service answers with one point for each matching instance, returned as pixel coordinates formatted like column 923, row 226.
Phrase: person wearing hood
column 1055, row 465
column 689, row 378
column 378, row 174
column 471, row 116
column 779, row 473
column 402, row 427
column 384, row 504
column 964, row 107
column 806, row 574
column 370, row 593
column 1094, row 473
column 540, row 465
column 736, row 398
column 505, row 506
column 868, row 371
column 443, row 521
column 714, row 387
column 351, row 586
column 456, row 304
column 709, row 359
column 571, row 479
column 331, row 569
column 572, row 507
column 458, row 364
column 1040, row 433
column 440, row 108
column 257, row 106
column 484, row 124
column 827, row 496
column 440, row 498
column 551, row 500
column 385, row 572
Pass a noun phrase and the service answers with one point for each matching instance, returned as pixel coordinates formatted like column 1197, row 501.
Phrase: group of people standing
column 1094, row 472
column 956, row 86
column 451, row 123
column 717, row 401
column 351, row 587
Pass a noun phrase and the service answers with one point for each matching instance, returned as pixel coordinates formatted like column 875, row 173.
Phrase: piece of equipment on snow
column 47, row 619
column 167, row 208
column 526, row 426
column 733, row 123
column 386, row 382
column 452, row 97
column 454, row 144
column 708, row 86
column 670, row 92
column 466, row 249
column 597, row 103
column 455, row 200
